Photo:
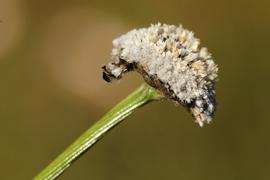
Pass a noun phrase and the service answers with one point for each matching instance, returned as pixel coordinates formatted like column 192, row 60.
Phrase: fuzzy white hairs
column 169, row 59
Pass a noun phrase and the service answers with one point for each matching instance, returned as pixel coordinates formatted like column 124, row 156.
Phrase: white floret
column 172, row 55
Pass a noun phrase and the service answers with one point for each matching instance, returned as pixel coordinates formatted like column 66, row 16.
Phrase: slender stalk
column 138, row 98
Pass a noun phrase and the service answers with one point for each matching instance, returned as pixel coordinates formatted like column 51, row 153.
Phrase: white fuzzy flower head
column 169, row 59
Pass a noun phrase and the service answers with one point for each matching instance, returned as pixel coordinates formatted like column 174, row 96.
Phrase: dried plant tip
column 169, row 59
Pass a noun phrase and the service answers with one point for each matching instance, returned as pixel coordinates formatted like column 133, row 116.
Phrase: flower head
column 169, row 59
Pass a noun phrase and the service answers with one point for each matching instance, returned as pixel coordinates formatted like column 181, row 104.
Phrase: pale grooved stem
column 138, row 98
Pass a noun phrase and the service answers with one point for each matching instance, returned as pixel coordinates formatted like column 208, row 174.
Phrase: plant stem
column 138, row 98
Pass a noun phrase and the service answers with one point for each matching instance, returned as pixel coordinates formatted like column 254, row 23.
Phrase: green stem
column 138, row 98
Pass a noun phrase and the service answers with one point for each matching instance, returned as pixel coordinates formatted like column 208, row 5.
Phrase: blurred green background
column 51, row 91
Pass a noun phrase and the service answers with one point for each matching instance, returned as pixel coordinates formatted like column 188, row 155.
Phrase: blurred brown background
column 51, row 91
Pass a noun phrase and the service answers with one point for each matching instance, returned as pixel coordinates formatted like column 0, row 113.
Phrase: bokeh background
column 51, row 91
